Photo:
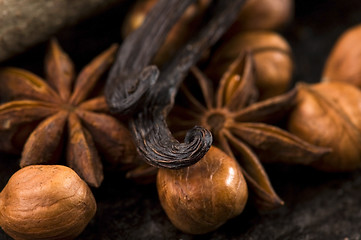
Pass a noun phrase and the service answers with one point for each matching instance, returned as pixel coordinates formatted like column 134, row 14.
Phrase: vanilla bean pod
column 130, row 87
column 132, row 75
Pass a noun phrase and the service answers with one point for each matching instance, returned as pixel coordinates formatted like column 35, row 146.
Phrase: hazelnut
column 46, row 202
column 329, row 115
column 344, row 61
column 272, row 60
column 200, row 198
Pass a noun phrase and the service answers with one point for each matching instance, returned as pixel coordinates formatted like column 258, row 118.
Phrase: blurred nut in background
column 329, row 115
column 344, row 61
column 272, row 60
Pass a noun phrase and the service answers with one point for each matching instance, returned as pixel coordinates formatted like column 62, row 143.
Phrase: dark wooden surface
column 317, row 205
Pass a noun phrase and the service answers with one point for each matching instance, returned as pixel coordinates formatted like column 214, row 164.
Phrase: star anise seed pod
column 46, row 109
column 238, row 124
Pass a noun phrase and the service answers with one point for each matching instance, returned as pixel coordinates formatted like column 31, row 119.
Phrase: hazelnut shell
column 329, row 115
column 46, row 202
column 344, row 61
column 271, row 53
column 200, row 198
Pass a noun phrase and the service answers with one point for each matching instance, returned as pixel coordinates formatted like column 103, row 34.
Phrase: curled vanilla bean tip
column 127, row 99
column 200, row 137
column 159, row 148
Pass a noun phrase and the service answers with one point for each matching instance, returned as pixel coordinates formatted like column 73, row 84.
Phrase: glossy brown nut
column 329, row 115
column 200, row 198
column 272, row 60
column 46, row 202
column 344, row 61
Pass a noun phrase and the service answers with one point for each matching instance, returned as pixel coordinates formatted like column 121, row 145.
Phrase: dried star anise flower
column 237, row 123
column 45, row 110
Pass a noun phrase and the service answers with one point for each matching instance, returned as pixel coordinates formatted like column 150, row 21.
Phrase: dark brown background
column 318, row 205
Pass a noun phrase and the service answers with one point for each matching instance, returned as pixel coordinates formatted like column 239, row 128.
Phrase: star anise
column 37, row 113
column 238, row 124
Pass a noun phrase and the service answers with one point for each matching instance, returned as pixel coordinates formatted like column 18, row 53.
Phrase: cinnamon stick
column 23, row 23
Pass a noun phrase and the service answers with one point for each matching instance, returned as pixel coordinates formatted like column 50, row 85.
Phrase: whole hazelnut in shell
column 344, row 61
column 271, row 53
column 200, row 198
column 329, row 115
column 46, row 202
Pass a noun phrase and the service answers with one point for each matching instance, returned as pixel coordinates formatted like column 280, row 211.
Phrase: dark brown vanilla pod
column 131, row 77
column 186, row 26
column 153, row 138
